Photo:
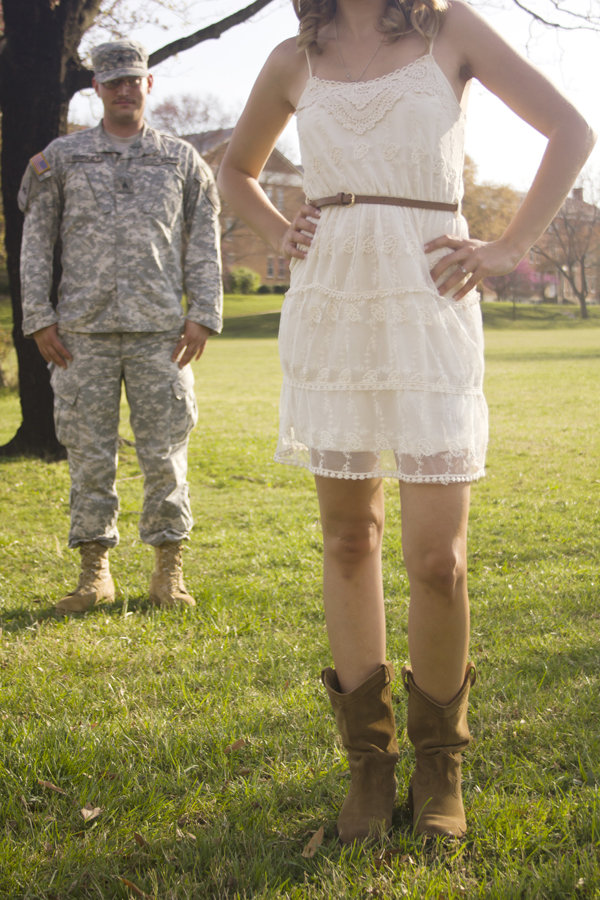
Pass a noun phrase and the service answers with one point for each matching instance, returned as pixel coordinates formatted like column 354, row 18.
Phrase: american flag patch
column 40, row 164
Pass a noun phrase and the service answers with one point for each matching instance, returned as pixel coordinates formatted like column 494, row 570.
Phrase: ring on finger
column 464, row 271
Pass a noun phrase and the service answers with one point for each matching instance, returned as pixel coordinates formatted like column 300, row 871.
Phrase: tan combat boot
column 365, row 720
column 95, row 581
column 166, row 585
column 439, row 734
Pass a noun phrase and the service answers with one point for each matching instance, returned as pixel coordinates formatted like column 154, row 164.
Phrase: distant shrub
column 281, row 288
column 244, row 281
column 264, row 289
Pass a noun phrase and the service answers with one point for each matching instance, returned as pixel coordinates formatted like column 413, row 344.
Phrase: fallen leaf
column 134, row 888
column 314, row 844
column 140, row 840
column 90, row 812
column 237, row 745
column 51, row 787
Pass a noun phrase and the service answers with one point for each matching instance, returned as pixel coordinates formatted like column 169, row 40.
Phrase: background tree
column 488, row 208
column 517, row 285
column 558, row 14
column 40, row 70
column 572, row 245
column 190, row 114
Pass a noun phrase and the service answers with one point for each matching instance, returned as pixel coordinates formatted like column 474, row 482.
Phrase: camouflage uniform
column 136, row 229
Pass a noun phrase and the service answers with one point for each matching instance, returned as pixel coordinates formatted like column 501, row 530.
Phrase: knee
column 442, row 570
column 350, row 544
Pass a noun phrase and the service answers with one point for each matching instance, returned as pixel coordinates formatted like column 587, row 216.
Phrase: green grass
column 540, row 315
column 237, row 305
column 134, row 711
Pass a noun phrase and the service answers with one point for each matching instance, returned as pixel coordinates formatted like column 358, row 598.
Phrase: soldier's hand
column 51, row 347
column 191, row 345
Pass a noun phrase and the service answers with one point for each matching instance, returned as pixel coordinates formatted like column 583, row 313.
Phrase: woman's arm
column 481, row 53
column 269, row 108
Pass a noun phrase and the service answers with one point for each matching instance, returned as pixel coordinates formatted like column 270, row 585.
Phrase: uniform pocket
column 66, row 391
column 162, row 185
column 184, row 413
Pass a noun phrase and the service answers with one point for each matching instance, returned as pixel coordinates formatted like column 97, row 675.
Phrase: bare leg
column 352, row 519
column 434, row 540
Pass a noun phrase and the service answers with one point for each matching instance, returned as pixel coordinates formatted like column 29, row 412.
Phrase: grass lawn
column 193, row 754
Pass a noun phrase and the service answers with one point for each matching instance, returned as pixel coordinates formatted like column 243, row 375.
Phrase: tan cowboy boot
column 166, row 585
column 365, row 720
column 95, row 581
column 439, row 734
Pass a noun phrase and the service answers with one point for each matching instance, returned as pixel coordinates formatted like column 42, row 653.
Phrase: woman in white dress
column 381, row 345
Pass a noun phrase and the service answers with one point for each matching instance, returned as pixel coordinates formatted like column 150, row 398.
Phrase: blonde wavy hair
column 400, row 17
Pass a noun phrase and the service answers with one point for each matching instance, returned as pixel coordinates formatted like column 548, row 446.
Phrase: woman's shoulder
column 285, row 56
column 459, row 13
column 285, row 70
column 464, row 33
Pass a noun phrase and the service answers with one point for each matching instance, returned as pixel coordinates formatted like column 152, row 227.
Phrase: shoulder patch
column 40, row 165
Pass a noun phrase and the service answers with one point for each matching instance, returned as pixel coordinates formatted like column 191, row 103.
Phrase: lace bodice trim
column 359, row 105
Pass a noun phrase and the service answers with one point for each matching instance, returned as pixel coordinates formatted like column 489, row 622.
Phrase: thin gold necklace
column 341, row 58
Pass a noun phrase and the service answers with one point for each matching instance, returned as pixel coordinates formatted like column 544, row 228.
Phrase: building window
column 280, row 198
column 270, row 267
column 282, row 268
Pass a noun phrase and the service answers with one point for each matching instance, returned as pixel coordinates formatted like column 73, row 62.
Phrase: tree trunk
column 582, row 294
column 34, row 111
column 36, row 435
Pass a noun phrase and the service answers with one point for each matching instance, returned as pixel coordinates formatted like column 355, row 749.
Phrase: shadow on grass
column 26, row 617
column 265, row 325
column 585, row 353
column 498, row 315
column 564, row 664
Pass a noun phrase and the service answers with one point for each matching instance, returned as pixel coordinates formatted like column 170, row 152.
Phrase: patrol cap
column 119, row 59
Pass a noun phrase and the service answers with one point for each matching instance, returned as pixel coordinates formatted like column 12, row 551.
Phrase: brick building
column 240, row 246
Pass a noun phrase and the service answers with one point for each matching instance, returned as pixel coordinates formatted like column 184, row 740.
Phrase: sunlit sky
column 505, row 149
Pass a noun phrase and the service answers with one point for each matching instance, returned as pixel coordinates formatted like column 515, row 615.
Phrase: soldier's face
column 124, row 100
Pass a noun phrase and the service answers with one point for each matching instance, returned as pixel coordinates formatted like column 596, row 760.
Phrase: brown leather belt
column 349, row 199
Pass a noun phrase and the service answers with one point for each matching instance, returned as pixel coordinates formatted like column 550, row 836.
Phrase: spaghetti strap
column 310, row 72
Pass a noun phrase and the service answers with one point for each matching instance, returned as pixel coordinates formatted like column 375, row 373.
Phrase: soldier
column 134, row 214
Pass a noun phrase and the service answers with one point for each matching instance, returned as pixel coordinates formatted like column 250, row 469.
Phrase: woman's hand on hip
column 298, row 237
column 469, row 262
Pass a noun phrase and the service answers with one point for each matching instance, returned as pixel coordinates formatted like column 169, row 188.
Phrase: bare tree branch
column 211, row 32
column 581, row 21
column 80, row 77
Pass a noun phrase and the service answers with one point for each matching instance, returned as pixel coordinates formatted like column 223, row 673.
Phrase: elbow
column 581, row 131
column 575, row 139
column 592, row 137
column 222, row 181
column 223, row 177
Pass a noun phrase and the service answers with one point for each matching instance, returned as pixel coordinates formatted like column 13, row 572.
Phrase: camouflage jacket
column 136, row 231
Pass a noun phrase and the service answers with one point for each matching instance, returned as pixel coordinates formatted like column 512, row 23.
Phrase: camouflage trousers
column 162, row 405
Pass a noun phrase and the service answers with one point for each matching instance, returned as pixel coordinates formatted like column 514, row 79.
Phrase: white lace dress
column 382, row 374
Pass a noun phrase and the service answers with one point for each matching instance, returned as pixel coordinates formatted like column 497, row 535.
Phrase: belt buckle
column 348, row 199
